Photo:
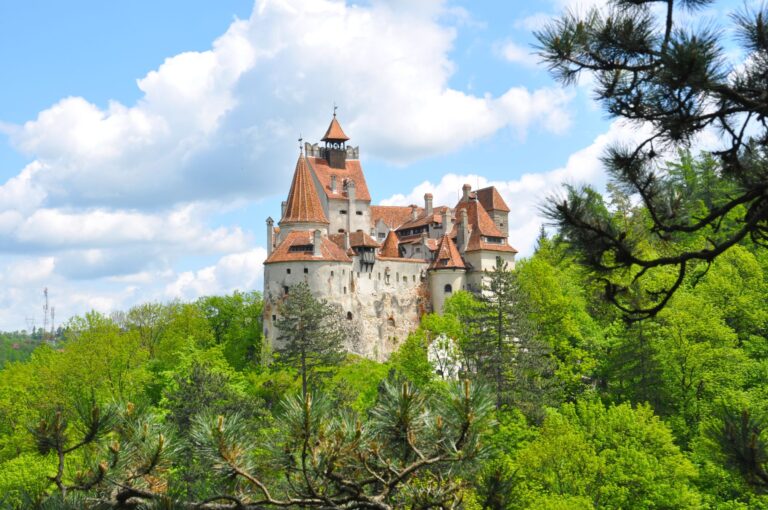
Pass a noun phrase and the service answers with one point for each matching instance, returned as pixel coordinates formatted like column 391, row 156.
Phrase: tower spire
column 303, row 205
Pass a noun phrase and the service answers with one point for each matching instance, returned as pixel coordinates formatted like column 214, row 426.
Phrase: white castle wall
column 438, row 279
column 349, row 220
column 385, row 303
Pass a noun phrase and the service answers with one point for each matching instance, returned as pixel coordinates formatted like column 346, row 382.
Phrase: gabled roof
column 352, row 170
column 334, row 133
column 447, row 256
column 478, row 218
column 303, row 204
column 390, row 248
column 297, row 239
column 361, row 239
column 491, row 199
column 393, row 216
column 480, row 225
column 476, row 243
column 422, row 219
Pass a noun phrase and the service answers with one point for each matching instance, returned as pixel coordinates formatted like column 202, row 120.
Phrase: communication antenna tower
column 53, row 327
column 45, row 312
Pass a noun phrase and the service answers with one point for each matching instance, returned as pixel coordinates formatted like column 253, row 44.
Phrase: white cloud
column 115, row 196
column 237, row 271
column 221, row 123
column 513, row 52
column 525, row 195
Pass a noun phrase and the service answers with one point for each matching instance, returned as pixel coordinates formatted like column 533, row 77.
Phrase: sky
column 143, row 144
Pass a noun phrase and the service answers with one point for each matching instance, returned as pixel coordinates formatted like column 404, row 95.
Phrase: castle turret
column 447, row 273
column 335, row 144
column 303, row 210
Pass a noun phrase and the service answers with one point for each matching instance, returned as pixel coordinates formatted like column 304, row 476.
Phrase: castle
column 384, row 266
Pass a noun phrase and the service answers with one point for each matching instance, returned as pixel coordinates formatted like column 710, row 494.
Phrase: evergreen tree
column 672, row 78
column 504, row 349
column 310, row 335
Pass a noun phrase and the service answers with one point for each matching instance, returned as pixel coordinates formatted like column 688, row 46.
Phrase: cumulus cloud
column 237, row 271
column 515, row 53
column 222, row 122
column 524, row 195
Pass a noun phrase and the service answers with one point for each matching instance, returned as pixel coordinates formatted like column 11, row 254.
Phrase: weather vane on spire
column 301, row 145
column 334, row 108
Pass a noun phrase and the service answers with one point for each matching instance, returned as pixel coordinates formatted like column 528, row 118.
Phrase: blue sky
column 143, row 143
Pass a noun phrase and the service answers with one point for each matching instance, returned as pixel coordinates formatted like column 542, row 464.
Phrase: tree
column 615, row 457
column 409, row 452
column 309, row 333
column 675, row 80
column 504, row 349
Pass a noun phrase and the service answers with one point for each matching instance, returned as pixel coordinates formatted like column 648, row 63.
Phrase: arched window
column 448, row 289
column 391, row 322
column 349, row 316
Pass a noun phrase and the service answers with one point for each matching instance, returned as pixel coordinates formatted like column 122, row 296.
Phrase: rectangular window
column 331, row 273
column 345, row 290
column 359, row 213
column 343, row 211
column 288, row 270
column 306, row 270
column 274, row 317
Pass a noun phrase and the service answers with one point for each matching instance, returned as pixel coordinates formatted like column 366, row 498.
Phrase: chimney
column 463, row 236
column 351, row 205
column 333, row 184
column 414, row 211
column 270, row 235
column 446, row 221
column 283, row 207
column 347, row 244
column 316, row 244
column 466, row 189
column 428, row 203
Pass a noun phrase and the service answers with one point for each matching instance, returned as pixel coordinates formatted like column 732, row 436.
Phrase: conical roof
column 447, row 256
column 334, row 132
column 303, row 202
column 390, row 248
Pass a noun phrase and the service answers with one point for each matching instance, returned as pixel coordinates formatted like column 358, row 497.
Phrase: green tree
column 651, row 69
column 504, row 349
column 309, row 333
column 614, row 458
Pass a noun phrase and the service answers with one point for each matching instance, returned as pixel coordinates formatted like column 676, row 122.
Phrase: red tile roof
column 491, row 200
column 476, row 243
column 478, row 218
column 480, row 225
column 393, row 216
column 303, row 204
column 360, row 238
column 352, row 170
column 329, row 251
column 390, row 248
column 447, row 256
column 334, row 133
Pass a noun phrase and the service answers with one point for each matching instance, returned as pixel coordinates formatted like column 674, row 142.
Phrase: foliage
column 674, row 80
column 310, row 336
column 615, row 457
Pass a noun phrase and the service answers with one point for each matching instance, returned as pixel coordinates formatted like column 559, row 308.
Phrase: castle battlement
column 384, row 266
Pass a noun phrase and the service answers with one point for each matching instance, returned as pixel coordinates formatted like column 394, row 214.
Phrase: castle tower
column 335, row 144
column 303, row 209
column 447, row 273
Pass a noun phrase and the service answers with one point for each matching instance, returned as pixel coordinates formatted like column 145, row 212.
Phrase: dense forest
column 538, row 395
column 624, row 364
